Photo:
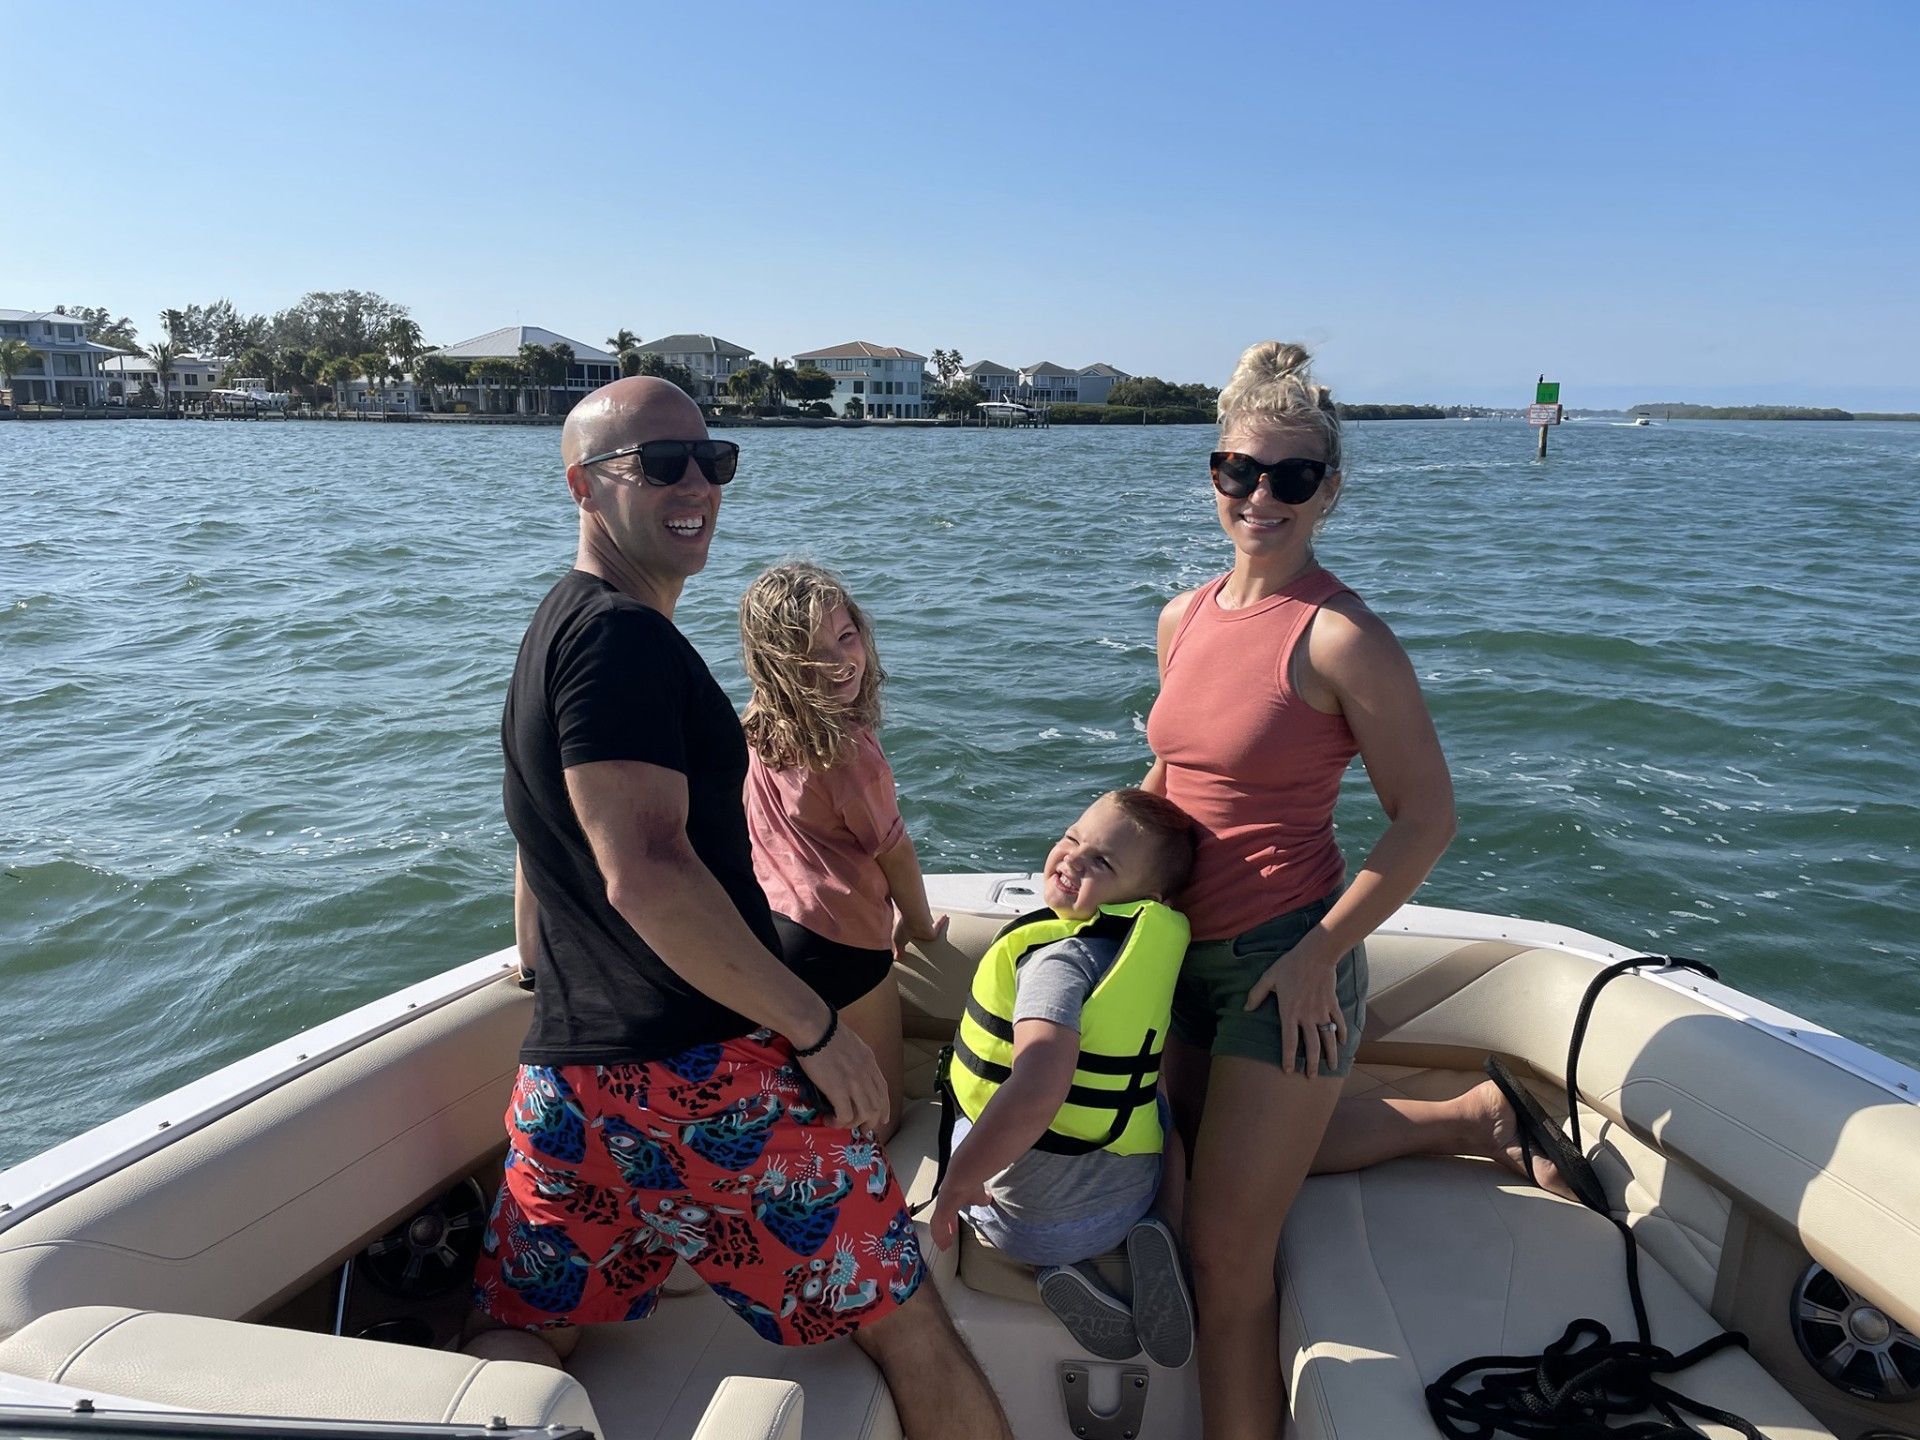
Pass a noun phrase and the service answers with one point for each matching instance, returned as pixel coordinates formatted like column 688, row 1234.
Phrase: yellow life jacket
column 1123, row 1026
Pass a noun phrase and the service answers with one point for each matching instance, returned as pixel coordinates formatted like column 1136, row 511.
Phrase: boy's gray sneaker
column 1162, row 1305
column 1100, row 1322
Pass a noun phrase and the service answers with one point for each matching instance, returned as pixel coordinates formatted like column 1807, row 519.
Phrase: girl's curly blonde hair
column 792, row 719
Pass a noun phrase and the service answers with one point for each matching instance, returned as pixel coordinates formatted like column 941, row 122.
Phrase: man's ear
column 577, row 485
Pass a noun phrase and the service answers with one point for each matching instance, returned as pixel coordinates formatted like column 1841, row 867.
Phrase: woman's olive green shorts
column 1210, row 1000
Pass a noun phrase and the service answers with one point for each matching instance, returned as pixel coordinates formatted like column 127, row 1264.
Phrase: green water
column 250, row 683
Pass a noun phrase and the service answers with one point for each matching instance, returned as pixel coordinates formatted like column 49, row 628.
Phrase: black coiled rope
column 1568, row 1391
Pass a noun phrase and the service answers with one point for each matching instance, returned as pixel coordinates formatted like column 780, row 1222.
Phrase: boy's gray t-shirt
column 1054, row 984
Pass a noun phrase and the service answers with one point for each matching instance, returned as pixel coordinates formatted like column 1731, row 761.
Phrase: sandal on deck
column 1538, row 1134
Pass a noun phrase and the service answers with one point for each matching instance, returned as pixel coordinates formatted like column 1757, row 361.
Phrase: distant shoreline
column 1076, row 416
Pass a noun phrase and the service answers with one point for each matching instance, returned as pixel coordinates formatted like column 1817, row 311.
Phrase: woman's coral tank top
column 1253, row 763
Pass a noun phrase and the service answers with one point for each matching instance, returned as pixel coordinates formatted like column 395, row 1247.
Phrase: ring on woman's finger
column 1331, row 1026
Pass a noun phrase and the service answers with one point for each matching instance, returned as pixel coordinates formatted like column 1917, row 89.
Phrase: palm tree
column 174, row 322
column 749, row 381
column 254, row 363
column 495, row 373
column 295, row 370
column 780, row 381
column 560, row 359
column 338, row 373
column 405, row 344
column 536, row 365
column 433, row 371
column 374, row 365
column 162, row 356
column 621, row 343
column 947, row 364
column 16, row 356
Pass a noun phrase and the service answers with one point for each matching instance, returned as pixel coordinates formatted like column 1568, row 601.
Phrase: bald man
column 681, row 1094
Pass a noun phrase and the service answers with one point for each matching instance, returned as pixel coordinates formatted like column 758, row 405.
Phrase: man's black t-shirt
column 602, row 677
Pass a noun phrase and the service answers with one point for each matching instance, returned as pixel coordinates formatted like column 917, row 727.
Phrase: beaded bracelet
column 833, row 1028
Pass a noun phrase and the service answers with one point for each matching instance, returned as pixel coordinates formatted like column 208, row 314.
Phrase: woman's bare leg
column 875, row 1018
column 1258, row 1137
column 1367, row 1130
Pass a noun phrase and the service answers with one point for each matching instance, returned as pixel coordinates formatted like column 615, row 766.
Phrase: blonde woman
column 829, row 846
column 1273, row 677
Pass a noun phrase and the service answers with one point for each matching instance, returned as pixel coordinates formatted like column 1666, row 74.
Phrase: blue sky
column 1649, row 202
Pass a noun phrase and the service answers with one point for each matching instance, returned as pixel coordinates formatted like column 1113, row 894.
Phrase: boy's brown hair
column 1171, row 831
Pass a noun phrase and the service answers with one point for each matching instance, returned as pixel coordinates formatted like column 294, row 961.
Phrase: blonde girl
column 829, row 846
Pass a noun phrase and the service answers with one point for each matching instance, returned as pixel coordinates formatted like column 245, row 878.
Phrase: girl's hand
column 945, row 1220
column 903, row 932
column 1301, row 983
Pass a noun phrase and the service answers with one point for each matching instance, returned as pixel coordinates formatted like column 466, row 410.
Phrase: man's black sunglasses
column 664, row 462
column 1293, row 482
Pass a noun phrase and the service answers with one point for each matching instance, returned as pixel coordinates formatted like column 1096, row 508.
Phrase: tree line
column 330, row 338
column 1677, row 410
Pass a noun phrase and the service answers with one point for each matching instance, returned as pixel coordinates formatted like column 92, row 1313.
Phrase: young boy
column 1059, row 1130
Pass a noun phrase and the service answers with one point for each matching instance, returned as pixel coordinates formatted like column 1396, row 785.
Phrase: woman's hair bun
column 1274, row 381
column 1272, row 360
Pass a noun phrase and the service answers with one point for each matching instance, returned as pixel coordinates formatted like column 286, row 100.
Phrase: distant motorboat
column 1641, row 420
column 1004, row 410
column 251, row 392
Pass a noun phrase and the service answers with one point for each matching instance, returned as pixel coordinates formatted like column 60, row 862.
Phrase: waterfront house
column 1048, row 383
column 886, row 379
column 592, row 367
column 65, row 368
column 709, row 359
column 389, row 397
column 189, row 380
column 996, row 380
column 1097, row 382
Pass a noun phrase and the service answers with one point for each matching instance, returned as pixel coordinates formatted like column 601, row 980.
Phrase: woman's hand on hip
column 1302, row 983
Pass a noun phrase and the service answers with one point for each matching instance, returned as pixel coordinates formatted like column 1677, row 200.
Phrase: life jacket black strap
column 1141, row 1086
column 1093, row 1062
column 949, row 1107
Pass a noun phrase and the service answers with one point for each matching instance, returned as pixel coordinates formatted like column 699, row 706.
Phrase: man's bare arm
column 635, row 818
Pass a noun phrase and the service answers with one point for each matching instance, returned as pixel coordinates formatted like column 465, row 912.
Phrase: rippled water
column 250, row 682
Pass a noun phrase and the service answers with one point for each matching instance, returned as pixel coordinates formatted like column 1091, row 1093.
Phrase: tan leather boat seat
column 1391, row 1275
column 197, row 1363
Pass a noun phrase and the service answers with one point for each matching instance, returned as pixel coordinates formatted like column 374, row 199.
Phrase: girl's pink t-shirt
column 815, row 836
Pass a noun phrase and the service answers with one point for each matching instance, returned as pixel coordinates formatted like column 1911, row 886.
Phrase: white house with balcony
column 65, row 367
column 709, row 359
column 590, row 368
column 885, row 379
column 190, row 378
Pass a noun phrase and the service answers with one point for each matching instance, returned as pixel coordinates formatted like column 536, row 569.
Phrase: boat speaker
column 1853, row 1343
column 433, row 1251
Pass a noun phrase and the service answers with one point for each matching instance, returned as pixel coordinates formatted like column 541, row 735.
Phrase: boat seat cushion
column 230, row 1367
column 1391, row 1275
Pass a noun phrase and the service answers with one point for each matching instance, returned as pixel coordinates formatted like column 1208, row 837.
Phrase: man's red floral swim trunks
column 716, row 1156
